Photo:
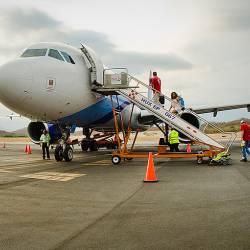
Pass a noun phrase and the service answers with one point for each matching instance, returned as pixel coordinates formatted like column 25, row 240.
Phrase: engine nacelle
column 135, row 124
column 190, row 118
column 35, row 130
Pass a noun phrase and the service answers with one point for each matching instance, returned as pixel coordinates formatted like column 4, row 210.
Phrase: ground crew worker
column 155, row 83
column 245, row 140
column 45, row 139
column 173, row 139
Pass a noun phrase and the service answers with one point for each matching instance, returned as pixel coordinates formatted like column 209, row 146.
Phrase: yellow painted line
column 103, row 161
column 86, row 157
column 53, row 176
column 96, row 163
column 26, row 163
column 4, row 171
column 27, row 166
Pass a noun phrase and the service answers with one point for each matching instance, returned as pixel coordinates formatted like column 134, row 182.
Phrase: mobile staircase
column 136, row 91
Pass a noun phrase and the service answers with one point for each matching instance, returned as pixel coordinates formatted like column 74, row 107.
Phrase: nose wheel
column 58, row 153
column 68, row 153
column 65, row 153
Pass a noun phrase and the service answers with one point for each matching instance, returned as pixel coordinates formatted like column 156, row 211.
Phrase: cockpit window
column 55, row 54
column 67, row 57
column 34, row 52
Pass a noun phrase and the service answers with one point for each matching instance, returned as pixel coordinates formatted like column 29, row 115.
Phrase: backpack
column 181, row 101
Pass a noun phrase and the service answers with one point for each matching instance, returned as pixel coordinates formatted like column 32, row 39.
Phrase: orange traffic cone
column 26, row 149
column 188, row 148
column 150, row 173
column 29, row 150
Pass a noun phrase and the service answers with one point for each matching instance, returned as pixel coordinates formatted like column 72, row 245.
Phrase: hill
column 232, row 126
column 2, row 133
column 18, row 133
column 22, row 131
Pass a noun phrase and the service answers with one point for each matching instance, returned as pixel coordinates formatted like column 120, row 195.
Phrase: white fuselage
column 51, row 82
column 44, row 88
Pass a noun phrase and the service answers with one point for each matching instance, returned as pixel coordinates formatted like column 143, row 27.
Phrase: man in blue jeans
column 245, row 140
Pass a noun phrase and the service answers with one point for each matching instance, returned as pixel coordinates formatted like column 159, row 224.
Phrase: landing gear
column 59, row 153
column 84, row 145
column 68, row 153
column 89, row 144
column 64, row 150
column 93, row 145
column 65, row 153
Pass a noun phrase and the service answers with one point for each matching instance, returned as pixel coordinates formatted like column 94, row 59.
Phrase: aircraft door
column 95, row 64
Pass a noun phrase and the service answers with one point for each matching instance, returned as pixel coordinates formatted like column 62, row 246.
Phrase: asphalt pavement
column 90, row 203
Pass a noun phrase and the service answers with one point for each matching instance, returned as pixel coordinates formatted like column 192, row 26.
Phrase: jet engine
column 193, row 120
column 135, row 121
column 35, row 130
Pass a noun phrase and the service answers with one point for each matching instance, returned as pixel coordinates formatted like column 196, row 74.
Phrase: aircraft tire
column 68, row 153
column 93, row 146
column 84, row 145
column 58, row 153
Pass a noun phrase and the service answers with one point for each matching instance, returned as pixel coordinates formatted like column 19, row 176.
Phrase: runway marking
column 11, row 162
column 53, row 176
column 18, row 160
column 24, row 167
column 21, row 163
column 97, row 163
column 4, row 171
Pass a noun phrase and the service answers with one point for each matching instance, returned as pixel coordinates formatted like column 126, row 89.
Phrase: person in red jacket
column 245, row 140
column 155, row 83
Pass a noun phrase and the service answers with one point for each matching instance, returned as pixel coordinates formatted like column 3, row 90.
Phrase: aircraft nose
column 15, row 81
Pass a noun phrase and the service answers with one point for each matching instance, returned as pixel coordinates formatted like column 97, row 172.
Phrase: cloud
column 232, row 15
column 22, row 27
column 21, row 20
column 139, row 61
column 239, row 20
column 218, row 46
column 98, row 41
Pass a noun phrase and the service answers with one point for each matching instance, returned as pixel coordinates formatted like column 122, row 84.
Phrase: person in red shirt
column 155, row 83
column 245, row 140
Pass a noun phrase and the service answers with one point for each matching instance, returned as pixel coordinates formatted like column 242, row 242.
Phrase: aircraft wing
column 215, row 109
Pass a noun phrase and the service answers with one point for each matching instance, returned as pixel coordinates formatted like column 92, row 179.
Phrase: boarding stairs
column 137, row 92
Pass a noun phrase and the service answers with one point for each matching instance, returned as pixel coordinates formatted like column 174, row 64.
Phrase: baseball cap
column 242, row 121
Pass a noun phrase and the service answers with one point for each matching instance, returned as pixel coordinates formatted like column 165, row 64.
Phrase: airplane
column 11, row 116
column 52, row 84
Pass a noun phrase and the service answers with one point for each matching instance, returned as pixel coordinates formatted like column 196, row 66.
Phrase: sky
column 200, row 49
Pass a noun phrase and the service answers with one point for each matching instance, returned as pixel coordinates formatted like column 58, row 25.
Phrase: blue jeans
column 245, row 149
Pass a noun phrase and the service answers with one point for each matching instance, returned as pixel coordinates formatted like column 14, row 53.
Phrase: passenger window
column 67, row 57
column 55, row 54
column 34, row 52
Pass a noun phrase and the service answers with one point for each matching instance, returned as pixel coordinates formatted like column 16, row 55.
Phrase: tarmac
column 90, row 203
